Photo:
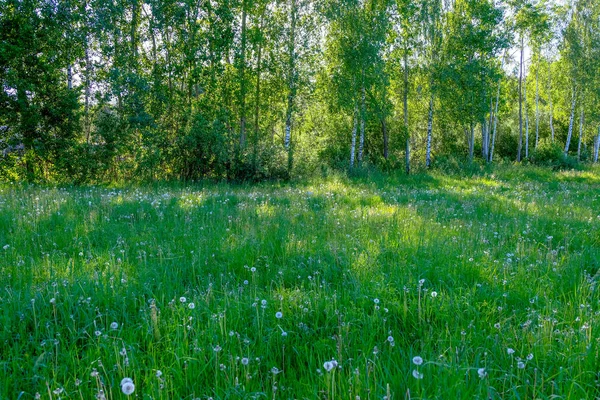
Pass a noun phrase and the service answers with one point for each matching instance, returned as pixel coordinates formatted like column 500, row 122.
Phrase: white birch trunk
column 69, row 77
column 361, row 142
column 581, row 117
column 526, row 118
column 495, row 118
column 537, row 109
column 571, row 119
column 354, row 128
column 291, row 72
column 597, row 146
column 88, row 89
column 551, row 105
column 429, row 133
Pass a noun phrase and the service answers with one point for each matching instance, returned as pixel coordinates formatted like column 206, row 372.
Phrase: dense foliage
column 96, row 90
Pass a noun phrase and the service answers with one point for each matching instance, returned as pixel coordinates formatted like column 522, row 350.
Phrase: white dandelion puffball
column 114, row 325
column 481, row 372
column 191, row 306
column 245, row 361
column 510, row 351
column 330, row 365
column 182, row 299
column 278, row 315
column 417, row 374
column 127, row 386
column 417, row 360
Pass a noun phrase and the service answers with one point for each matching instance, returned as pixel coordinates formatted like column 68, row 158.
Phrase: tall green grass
column 489, row 279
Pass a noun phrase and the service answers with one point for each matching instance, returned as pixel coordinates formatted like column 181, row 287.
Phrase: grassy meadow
column 423, row 287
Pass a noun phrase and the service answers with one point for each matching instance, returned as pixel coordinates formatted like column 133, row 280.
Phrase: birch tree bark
column 361, row 142
column 520, row 103
column 571, row 120
column 581, row 118
column 537, row 107
column 429, row 132
column 526, row 118
column 243, row 78
column 597, row 146
column 406, row 110
column 354, row 129
column 495, row 117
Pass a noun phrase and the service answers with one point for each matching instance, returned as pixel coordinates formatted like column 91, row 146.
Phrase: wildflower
column 510, row 351
column 217, row 349
column 481, row 372
column 284, row 333
column 97, row 333
column 114, row 325
column 417, row 360
column 329, row 365
column 191, row 306
column 497, row 325
column 520, row 365
column 417, row 374
column 278, row 315
column 127, row 386
column 434, row 294
column 376, row 301
column 390, row 339
column 53, row 301
column 421, row 282
column 530, row 356
column 182, row 299
column 275, row 370
column 94, row 373
column 245, row 361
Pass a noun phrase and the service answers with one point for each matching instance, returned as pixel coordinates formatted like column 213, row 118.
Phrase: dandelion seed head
column 417, row 360
column 278, row 315
column 114, row 325
column 417, row 374
column 127, row 386
column 482, row 373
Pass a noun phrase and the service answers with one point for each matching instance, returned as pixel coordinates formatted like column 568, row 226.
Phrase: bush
column 551, row 154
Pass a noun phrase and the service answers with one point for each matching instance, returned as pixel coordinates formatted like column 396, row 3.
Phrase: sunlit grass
column 254, row 291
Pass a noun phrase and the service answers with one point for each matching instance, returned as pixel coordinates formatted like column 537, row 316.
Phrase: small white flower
column 253, row 269
column 275, row 370
column 376, row 301
column 158, row 373
column 520, row 365
column 284, row 333
column 245, row 361
column 191, row 306
column 127, row 386
column 481, row 372
column 417, row 374
column 182, row 299
column 278, row 315
column 434, row 294
column 97, row 333
column 530, row 356
column 421, row 282
column 390, row 339
column 497, row 325
column 114, row 326
column 53, row 301
column 417, row 360
column 510, row 351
